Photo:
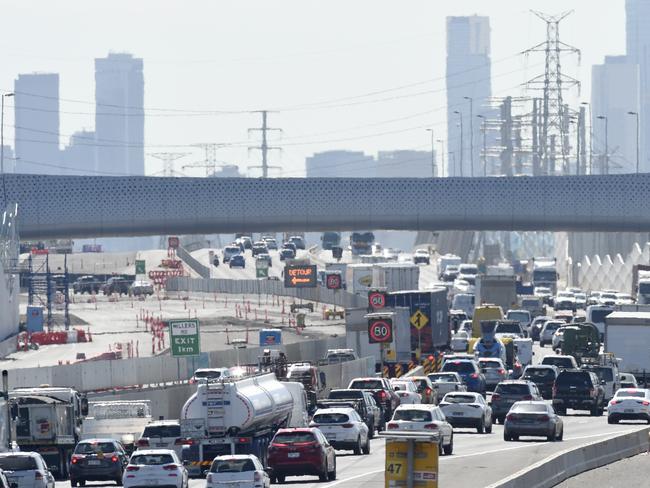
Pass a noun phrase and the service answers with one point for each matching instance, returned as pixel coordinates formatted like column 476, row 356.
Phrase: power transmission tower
column 554, row 122
column 210, row 162
column 264, row 147
column 168, row 159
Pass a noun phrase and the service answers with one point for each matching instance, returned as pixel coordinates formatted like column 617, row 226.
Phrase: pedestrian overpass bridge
column 97, row 206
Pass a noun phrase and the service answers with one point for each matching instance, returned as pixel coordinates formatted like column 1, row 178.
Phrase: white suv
column 424, row 418
column 240, row 470
column 26, row 470
column 152, row 467
column 343, row 429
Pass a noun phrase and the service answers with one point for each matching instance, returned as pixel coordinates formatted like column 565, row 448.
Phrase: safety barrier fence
column 266, row 287
column 192, row 262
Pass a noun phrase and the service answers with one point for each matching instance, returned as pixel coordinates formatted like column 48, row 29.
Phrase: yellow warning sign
column 419, row 320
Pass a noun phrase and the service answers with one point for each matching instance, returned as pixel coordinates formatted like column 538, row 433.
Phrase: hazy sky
column 300, row 57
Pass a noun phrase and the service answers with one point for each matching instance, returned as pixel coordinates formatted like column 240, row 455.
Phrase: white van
column 464, row 302
column 596, row 315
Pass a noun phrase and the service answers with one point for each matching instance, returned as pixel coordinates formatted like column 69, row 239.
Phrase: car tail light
column 431, row 427
column 257, row 476
column 544, row 418
column 347, row 426
column 474, row 375
column 591, row 391
column 554, row 392
column 427, row 391
column 502, row 371
column 382, row 394
column 115, row 459
column 511, row 417
column 38, row 476
column 392, row 425
column 184, row 442
column 614, row 402
column 495, row 397
column 645, row 403
column 527, row 397
column 144, row 442
column 76, row 459
column 170, row 467
column 133, row 468
column 192, row 381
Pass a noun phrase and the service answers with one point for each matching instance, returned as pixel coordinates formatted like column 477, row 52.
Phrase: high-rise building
column 614, row 93
column 119, row 114
column 468, row 89
column 36, row 111
column 637, row 13
column 8, row 159
column 79, row 156
column 404, row 163
column 349, row 164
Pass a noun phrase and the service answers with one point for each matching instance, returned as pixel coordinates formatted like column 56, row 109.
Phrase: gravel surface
column 631, row 472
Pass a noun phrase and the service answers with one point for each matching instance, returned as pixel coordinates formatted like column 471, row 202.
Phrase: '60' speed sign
column 380, row 330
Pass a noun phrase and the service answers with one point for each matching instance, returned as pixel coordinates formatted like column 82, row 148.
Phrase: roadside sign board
column 140, row 267
column 173, row 242
column 425, row 464
column 333, row 281
column 376, row 299
column 184, row 337
column 419, row 320
column 380, row 330
column 300, row 276
column 262, row 272
column 396, row 461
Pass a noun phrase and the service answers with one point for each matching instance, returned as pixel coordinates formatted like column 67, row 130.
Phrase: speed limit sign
column 333, row 281
column 380, row 330
column 376, row 299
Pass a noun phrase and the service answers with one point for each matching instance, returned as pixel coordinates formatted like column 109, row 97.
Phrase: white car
column 624, row 299
column 26, row 470
column 161, row 434
column 447, row 382
column 629, row 404
column 558, row 337
column 524, row 317
column 406, row 390
column 203, row 375
column 467, row 409
column 607, row 298
column 507, row 329
column 581, row 300
column 459, row 341
column 152, row 467
column 627, row 380
column 343, row 429
column 543, row 292
column 424, row 418
column 239, row 470
column 463, row 286
column 546, row 335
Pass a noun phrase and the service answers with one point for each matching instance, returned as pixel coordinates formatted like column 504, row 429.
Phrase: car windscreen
column 537, row 374
column 530, row 408
column 367, row 385
column 293, row 437
column 151, row 459
column 17, row 463
column 507, row 329
column 443, row 378
column 573, row 378
column 459, row 399
column 232, row 466
column 628, row 393
column 512, row 389
column 344, row 394
column 412, row 415
column 459, row 367
column 94, row 447
column 331, row 418
column 162, row 431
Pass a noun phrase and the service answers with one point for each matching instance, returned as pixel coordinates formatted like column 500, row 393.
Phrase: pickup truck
column 362, row 401
column 381, row 390
column 580, row 390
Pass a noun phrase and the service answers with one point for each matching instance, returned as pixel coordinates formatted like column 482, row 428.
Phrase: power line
column 264, row 147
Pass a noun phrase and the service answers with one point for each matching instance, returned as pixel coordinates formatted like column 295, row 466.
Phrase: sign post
column 419, row 320
column 184, row 337
column 380, row 331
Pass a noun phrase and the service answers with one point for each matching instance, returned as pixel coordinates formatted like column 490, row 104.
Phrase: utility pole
column 168, row 159
column 264, row 147
column 442, row 157
column 433, row 153
column 484, row 132
column 506, row 137
column 210, row 162
column 471, row 134
column 460, row 115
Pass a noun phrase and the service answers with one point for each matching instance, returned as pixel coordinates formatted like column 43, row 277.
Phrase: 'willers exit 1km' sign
column 184, row 337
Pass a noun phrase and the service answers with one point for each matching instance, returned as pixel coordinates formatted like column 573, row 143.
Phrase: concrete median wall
column 610, row 272
column 568, row 463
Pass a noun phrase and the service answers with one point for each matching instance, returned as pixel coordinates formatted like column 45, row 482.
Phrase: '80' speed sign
column 380, row 330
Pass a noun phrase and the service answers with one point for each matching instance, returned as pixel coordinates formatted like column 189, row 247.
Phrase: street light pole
column 442, row 157
column 484, row 130
column 2, row 132
column 606, row 161
column 460, row 114
column 471, row 134
column 636, row 115
column 433, row 157
column 591, row 138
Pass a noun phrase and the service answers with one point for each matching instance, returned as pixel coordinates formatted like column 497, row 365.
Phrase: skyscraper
column 637, row 13
column 36, row 112
column 468, row 89
column 119, row 114
column 79, row 156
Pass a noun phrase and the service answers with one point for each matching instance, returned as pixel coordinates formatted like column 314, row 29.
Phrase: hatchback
column 155, row 467
column 424, row 418
column 97, row 460
column 533, row 418
column 425, row 388
column 343, row 428
column 508, row 392
column 26, row 470
column 467, row 410
column 546, row 335
column 299, row 452
column 240, row 471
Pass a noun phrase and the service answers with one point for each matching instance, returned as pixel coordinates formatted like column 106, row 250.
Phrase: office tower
column 348, row 164
column 79, row 156
column 614, row 93
column 468, row 89
column 119, row 114
column 404, row 163
column 36, row 111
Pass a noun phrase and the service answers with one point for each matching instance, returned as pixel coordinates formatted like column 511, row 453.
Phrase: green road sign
column 140, row 267
column 184, row 337
column 261, row 272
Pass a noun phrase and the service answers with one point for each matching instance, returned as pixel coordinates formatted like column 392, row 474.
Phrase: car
column 247, row 241
column 507, row 393
column 428, row 392
column 543, row 375
column 467, row 270
column 535, row 305
column 287, row 253
column 141, row 288
column 240, row 470
column 624, row 299
column 494, row 370
column 343, row 429
column 371, row 413
column 449, row 274
column 334, row 356
column 561, row 361
column 237, row 261
column 421, row 256
column 564, row 300
column 467, row 409
column 544, row 293
column 203, row 375
column 524, row 317
column 298, row 241
column 424, row 418
column 116, row 284
column 558, row 337
column 463, row 285
column 230, row 251
column 259, row 247
column 628, row 380
column 87, row 284
column 509, row 329
column 536, row 326
column 629, row 404
column 447, row 382
column 290, row 245
column 155, row 467
column 97, row 460
column 593, row 298
column 549, row 328
column 459, row 341
column 469, row 371
column 580, row 390
column 607, row 299
column 380, row 388
column 581, row 300
column 271, row 243
column 26, row 470
column 161, row 434
column 406, row 391
column 533, row 418
column 265, row 257
column 300, row 452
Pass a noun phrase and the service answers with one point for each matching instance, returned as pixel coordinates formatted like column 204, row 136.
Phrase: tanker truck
column 238, row 416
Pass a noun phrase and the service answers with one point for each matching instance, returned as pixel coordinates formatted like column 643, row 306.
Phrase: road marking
column 451, row 458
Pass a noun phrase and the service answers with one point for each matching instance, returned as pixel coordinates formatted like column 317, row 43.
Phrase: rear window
column 459, row 367
column 94, row 448
column 530, row 408
column 539, row 374
column 367, row 385
column 512, row 389
column 232, row 466
column 443, row 378
column 293, row 437
column 574, row 378
column 604, row 374
column 553, row 325
column 521, row 316
column 628, row 393
column 401, row 387
column 340, row 395
column 331, row 418
column 508, row 329
column 562, row 362
column 151, row 459
column 412, row 415
column 162, row 431
column 459, row 399
column 17, row 463
column 490, row 364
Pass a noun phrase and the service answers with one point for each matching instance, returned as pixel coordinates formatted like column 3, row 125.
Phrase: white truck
column 448, row 260
column 627, row 335
column 120, row 420
column 499, row 290
column 238, row 416
column 544, row 273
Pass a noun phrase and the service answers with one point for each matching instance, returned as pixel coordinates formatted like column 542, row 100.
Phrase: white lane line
column 451, row 458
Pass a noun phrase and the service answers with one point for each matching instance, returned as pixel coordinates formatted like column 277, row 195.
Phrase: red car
column 299, row 452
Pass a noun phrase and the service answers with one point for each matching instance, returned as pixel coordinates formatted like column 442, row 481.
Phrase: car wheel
column 449, row 448
column 551, row 437
column 366, row 447
column 357, row 448
column 561, row 435
column 507, row 437
column 593, row 412
column 561, row 411
column 281, row 478
column 613, row 420
column 73, row 482
column 515, row 437
column 332, row 474
column 118, row 481
column 480, row 428
column 488, row 428
column 82, row 482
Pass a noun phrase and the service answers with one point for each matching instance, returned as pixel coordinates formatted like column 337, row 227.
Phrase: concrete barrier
column 570, row 462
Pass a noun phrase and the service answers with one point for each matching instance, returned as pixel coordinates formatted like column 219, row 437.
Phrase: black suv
column 87, row 284
column 117, row 284
column 368, row 409
column 380, row 388
column 543, row 375
column 97, row 460
column 580, row 390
